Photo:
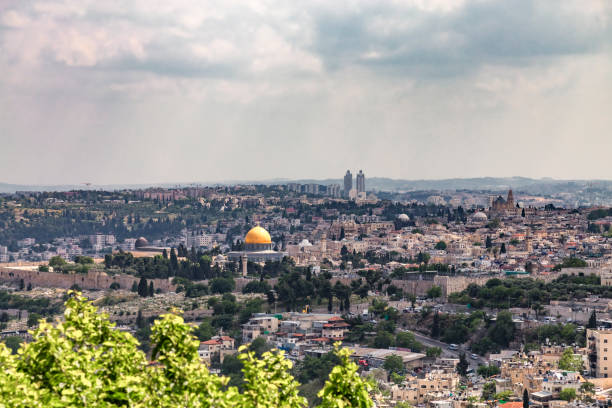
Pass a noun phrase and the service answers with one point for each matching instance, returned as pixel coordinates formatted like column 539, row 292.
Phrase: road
column 429, row 342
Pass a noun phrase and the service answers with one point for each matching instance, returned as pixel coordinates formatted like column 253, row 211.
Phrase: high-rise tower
column 348, row 183
column 360, row 182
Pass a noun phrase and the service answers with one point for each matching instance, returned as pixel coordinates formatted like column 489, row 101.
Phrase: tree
column 222, row 285
column 33, row 319
column 143, row 290
column 502, row 332
column 523, row 213
column 151, row 290
column 204, row 331
column 13, row 343
column 525, row 392
column 488, row 391
column 115, row 286
column 134, row 287
column 57, row 262
column 435, row 327
column 394, row 364
column 441, row 246
column 567, row 394
column 434, row 292
column 503, row 248
column 173, row 260
column 434, row 352
column 462, row 365
column 383, row 340
column 29, row 286
column 592, row 324
column 345, row 387
column 488, row 242
column 488, row 371
column 21, row 284
column 407, row 340
column 570, row 361
column 140, row 321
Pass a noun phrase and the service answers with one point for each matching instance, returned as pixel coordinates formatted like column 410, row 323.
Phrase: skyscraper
column 348, row 183
column 360, row 182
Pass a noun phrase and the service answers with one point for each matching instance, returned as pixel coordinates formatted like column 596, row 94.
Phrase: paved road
column 429, row 342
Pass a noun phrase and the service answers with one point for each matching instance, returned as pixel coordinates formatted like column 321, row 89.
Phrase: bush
column 222, row 285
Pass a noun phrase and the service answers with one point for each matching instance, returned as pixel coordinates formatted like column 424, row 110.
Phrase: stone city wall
column 90, row 280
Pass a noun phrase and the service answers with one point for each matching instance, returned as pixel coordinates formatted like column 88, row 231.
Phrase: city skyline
column 106, row 94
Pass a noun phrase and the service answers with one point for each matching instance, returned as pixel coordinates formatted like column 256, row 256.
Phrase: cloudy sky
column 141, row 91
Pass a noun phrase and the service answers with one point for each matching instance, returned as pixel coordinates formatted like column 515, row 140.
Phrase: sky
column 148, row 91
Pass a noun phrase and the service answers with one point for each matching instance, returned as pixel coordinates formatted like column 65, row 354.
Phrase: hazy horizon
column 150, row 93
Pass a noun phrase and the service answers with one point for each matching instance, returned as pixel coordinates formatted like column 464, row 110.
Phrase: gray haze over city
column 150, row 92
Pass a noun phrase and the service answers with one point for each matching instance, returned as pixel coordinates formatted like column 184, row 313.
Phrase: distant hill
column 374, row 183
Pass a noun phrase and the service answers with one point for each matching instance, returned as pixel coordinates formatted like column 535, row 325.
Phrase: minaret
column 323, row 244
column 244, row 260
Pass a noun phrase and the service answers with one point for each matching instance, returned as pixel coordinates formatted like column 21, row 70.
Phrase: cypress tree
column 435, row 327
column 525, row 395
column 142, row 288
column 140, row 321
column 592, row 321
column 462, row 365
column 173, row 260
column 151, row 289
column 134, row 287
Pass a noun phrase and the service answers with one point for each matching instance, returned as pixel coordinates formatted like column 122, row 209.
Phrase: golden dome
column 257, row 235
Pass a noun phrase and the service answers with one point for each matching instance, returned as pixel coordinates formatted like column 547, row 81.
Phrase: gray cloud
column 191, row 90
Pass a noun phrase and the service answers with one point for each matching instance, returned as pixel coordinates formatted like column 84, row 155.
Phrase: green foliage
column 504, row 395
column 525, row 292
column 488, row 391
column 570, row 361
column 488, row 371
column 434, row 292
column 204, row 331
column 567, row 394
column 222, row 285
column 267, row 382
column 556, row 334
column 462, row 365
column 433, row 352
column 13, row 343
column 313, row 368
column 407, row 340
column 571, row 262
column 345, row 388
column 82, row 361
column 441, row 245
column 57, row 262
column 394, row 364
column 587, row 387
column 599, row 213
column 592, row 324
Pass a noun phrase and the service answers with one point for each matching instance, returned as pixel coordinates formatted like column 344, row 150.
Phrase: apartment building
column 599, row 347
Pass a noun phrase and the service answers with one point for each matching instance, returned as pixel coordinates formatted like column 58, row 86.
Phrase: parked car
column 474, row 356
column 453, row 347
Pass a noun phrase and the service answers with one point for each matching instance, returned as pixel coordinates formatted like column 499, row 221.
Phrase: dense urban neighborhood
column 462, row 299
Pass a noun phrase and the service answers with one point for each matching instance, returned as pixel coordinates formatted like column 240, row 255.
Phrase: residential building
column 599, row 346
